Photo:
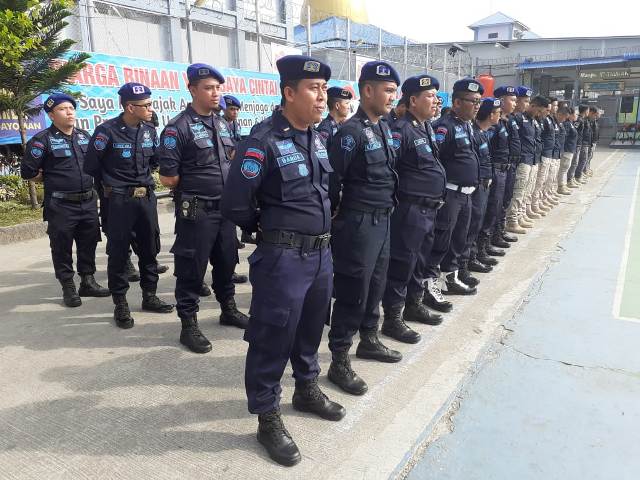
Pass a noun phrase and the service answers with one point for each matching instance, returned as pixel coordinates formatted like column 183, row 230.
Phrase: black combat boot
column 308, row 397
column 341, row 374
column 70, row 296
column 231, row 315
column 493, row 251
column 205, row 291
column 504, row 234
column 90, row 288
column 371, row 348
column 162, row 269
column 475, row 265
column 466, row 277
column 455, row 286
column 151, row 303
column 482, row 256
column 415, row 311
column 132, row 274
column 433, row 297
column 191, row 336
column 498, row 241
column 276, row 439
column 393, row 326
column 237, row 278
column 121, row 312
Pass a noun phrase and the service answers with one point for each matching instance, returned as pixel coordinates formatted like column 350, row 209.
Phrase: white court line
column 622, row 272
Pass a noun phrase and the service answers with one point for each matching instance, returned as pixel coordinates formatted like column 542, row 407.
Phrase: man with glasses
column 456, row 145
column 121, row 155
column 194, row 162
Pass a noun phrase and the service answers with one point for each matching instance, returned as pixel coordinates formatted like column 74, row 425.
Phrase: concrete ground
column 80, row 398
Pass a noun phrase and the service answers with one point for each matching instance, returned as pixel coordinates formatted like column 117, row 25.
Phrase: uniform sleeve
column 444, row 136
column 98, row 146
column 169, row 151
column 33, row 158
column 239, row 203
column 343, row 148
column 154, row 160
column 399, row 141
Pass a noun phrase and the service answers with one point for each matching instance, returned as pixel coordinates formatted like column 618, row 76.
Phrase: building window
column 492, row 35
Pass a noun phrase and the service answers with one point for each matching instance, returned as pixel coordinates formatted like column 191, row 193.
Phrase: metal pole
column 259, row 36
column 427, row 57
column 187, row 13
column 308, row 30
column 348, row 49
column 444, row 71
column 459, row 61
column 379, row 43
column 406, row 55
column 89, row 11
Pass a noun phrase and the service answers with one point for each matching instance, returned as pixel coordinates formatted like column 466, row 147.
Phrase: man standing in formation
column 339, row 105
column 56, row 157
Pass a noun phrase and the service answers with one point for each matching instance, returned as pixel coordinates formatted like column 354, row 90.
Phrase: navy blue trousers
column 209, row 238
column 495, row 203
column 360, row 242
column 452, row 226
column 129, row 216
column 412, row 234
column 479, row 200
column 289, row 307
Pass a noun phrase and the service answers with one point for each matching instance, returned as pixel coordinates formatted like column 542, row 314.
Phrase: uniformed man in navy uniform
column 56, row 156
column 194, row 163
column 279, row 187
column 486, row 118
column 339, row 104
column 421, row 193
column 122, row 155
column 363, row 193
column 505, row 157
column 231, row 116
column 455, row 140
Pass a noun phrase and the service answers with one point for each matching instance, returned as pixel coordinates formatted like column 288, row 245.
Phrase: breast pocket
column 204, row 154
column 376, row 164
column 462, row 142
column 325, row 165
column 62, row 158
column 296, row 181
column 424, row 156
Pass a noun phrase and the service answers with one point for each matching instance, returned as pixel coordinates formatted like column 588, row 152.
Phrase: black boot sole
column 496, row 254
column 433, row 320
column 480, row 270
column 325, row 415
column 284, row 461
column 492, row 262
column 351, row 391
column 167, row 309
column 195, row 350
column 125, row 325
column 410, row 340
column 232, row 323
column 94, row 294
column 133, row 278
column 471, row 291
column 438, row 307
column 72, row 303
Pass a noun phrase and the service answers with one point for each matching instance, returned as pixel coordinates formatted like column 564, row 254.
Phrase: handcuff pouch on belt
column 188, row 208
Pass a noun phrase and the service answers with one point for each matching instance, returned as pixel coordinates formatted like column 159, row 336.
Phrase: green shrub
column 12, row 187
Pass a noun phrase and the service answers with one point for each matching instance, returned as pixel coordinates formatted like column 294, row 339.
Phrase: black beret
column 297, row 67
column 380, row 71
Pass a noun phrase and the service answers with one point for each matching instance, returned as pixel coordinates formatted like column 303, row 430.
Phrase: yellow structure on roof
column 355, row 10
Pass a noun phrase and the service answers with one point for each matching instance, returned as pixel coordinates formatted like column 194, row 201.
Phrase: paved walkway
column 80, row 398
column 558, row 397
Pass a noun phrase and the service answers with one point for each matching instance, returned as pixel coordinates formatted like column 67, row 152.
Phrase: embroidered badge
column 348, row 143
column 100, row 142
column 303, row 170
column 250, row 168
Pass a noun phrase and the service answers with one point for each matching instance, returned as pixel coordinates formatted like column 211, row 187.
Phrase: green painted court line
column 630, row 297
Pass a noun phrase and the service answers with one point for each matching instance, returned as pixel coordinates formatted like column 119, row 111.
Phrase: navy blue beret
column 523, row 91
column 468, row 85
column 196, row 71
column 419, row 83
column 297, row 67
column 132, row 91
column 504, row 91
column 56, row 99
column 339, row 92
column 222, row 103
column 231, row 101
column 487, row 105
column 380, row 71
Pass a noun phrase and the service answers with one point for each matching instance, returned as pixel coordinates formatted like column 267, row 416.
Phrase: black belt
column 502, row 167
column 206, row 203
column 295, row 240
column 422, row 201
column 74, row 197
column 137, row 192
column 374, row 211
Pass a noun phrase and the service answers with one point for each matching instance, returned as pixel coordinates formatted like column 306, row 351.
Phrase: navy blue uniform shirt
column 527, row 133
column 122, row 156
column 192, row 146
column 455, row 141
column 560, row 136
column 61, row 158
column 514, row 139
column 420, row 172
column 586, row 132
column 481, row 145
column 363, row 161
column 499, row 142
column 548, row 136
column 571, row 139
column 538, row 139
column 327, row 128
column 279, row 180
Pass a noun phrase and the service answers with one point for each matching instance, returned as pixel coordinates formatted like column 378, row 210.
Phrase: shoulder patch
column 37, row 151
column 250, row 168
column 100, row 142
column 348, row 143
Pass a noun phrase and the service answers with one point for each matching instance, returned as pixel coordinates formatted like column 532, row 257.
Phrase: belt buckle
column 288, row 238
column 140, row 192
column 440, row 204
column 320, row 240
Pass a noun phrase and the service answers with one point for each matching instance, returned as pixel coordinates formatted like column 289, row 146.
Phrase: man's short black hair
column 540, row 101
column 553, row 99
column 293, row 84
column 583, row 108
column 564, row 110
column 593, row 109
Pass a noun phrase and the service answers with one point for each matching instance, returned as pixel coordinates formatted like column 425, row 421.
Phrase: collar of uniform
column 56, row 131
column 282, row 125
column 364, row 118
column 414, row 121
column 196, row 117
column 123, row 126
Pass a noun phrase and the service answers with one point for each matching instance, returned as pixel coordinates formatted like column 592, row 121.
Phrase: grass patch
column 13, row 213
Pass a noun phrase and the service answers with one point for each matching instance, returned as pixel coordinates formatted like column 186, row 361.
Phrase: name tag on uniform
column 286, row 147
column 58, row 144
column 289, row 159
column 372, row 141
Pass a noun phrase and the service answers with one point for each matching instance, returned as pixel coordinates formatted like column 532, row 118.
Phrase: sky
column 447, row 21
